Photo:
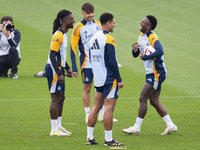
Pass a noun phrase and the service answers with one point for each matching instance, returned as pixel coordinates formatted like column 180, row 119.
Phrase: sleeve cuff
column 8, row 38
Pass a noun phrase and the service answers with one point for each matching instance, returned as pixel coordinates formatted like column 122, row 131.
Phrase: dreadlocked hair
column 58, row 21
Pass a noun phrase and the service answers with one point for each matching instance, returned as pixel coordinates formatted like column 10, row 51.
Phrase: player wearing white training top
column 54, row 70
column 81, row 34
column 155, row 75
column 107, row 79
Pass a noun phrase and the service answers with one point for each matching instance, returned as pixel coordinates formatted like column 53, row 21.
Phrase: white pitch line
column 37, row 99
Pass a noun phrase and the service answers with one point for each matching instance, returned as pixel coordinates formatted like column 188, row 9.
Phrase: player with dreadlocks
column 54, row 70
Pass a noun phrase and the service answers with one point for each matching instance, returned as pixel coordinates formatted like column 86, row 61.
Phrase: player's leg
column 87, row 78
column 54, row 111
column 86, row 98
column 110, row 96
column 154, row 101
column 60, row 110
column 147, row 90
column 98, row 103
column 60, row 103
column 55, row 91
column 54, row 107
column 162, row 111
column 92, row 119
column 101, row 114
column 108, row 122
column 108, row 113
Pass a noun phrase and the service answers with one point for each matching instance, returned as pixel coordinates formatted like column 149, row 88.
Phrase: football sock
column 138, row 123
column 59, row 122
column 87, row 111
column 108, row 135
column 101, row 112
column 168, row 121
column 54, row 125
column 90, row 133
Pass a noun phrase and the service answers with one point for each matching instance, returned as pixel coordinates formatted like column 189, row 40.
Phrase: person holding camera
column 9, row 47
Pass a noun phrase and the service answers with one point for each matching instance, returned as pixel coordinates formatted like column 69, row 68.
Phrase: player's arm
column 74, row 43
column 113, row 61
column 53, row 55
column 55, row 46
column 159, row 51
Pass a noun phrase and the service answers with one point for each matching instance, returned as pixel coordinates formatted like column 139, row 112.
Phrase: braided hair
column 58, row 21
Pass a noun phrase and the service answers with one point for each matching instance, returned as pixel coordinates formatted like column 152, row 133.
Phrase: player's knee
column 61, row 100
column 87, row 89
column 110, row 108
column 142, row 99
column 153, row 103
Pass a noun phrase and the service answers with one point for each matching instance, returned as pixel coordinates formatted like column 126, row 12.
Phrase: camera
column 8, row 27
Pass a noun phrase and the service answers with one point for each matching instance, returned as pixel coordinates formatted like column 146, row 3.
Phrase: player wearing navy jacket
column 107, row 79
column 155, row 75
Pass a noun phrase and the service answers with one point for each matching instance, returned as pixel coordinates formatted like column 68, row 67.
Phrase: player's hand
column 69, row 73
column 61, row 79
column 135, row 47
column 75, row 74
column 120, row 85
column 141, row 54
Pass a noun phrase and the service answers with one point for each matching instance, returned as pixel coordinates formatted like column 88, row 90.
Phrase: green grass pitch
column 24, row 102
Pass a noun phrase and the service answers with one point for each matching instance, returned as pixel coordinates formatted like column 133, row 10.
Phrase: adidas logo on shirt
column 85, row 32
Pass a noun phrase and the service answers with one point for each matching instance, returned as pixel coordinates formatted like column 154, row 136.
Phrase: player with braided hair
column 54, row 70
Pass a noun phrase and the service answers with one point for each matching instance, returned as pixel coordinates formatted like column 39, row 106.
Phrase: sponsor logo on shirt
column 150, row 80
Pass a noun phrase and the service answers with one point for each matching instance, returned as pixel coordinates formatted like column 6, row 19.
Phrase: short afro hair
column 105, row 17
column 153, row 21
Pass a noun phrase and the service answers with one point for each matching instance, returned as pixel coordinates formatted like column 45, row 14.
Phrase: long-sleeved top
column 156, row 66
column 103, row 59
column 7, row 42
column 81, row 34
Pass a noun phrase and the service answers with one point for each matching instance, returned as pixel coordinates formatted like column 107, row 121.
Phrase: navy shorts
column 109, row 90
column 87, row 75
column 155, row 83
column 52, row 79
